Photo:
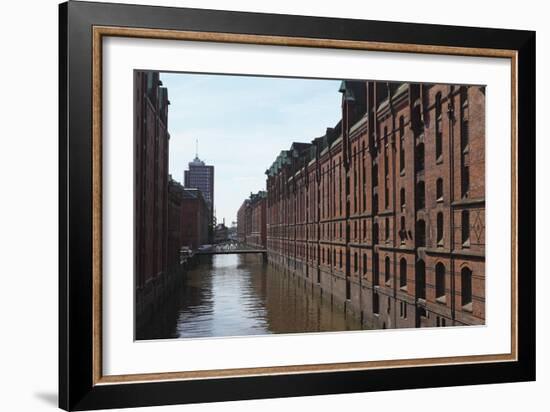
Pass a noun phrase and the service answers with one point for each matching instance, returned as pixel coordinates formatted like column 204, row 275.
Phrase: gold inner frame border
column 102, row 31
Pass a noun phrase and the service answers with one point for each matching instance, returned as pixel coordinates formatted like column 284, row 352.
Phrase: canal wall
column 374, row 306
column 329, row 285
column 382, row 306
column 150, row 298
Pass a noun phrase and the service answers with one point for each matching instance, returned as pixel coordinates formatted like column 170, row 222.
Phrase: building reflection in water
column 239, row 295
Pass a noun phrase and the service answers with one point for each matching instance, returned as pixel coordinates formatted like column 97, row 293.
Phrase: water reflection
column 236, row 295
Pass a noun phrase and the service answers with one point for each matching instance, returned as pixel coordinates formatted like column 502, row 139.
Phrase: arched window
column 420, row 157
column 466, row 287
column 386, row 161
column 363, row 154
column 440, row 281
column 403, row 230
column 402, row 144
column 355, row 262
column 420, row 195
column 340, row 259
column 375, row 204
column 387, row 229
column 334, row 257
column 375, row 230
column 465, row 180
column 465, row 228
column 364, row 234
column 355, row 185
column 420, row 233
column 416, row 119
column 464, row 130
column 375, row 270
column 403, row 273
column 464, row 143
column 375, row 303
column 438, row 146
column 364, row 187
column 375, row 175
column 387, row 274
column 420, row 281
column 402, row 199
column 438, row 131
column 364, row 263
column 439, row 190
column 440, row 229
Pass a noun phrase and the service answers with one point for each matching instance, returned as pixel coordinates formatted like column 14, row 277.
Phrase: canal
column 238, row 295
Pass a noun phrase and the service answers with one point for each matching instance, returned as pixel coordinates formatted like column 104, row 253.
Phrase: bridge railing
column 231, row 248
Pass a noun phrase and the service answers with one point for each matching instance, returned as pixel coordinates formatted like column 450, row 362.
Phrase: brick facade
column 151, row 176
column 385, row 213
column 252, row 221
column 167, row 215
column 195, row 217
column 188, row 218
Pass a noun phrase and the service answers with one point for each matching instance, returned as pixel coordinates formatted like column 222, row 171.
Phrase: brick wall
column 385, row 213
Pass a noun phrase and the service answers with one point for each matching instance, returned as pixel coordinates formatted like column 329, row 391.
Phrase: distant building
column 201, row 176
column 221, row 233
column 195, row 218
column 151, row 179
column 187, row 219
column 175, row 221
column 251, row 220
column 242, row 221
column 232, row 231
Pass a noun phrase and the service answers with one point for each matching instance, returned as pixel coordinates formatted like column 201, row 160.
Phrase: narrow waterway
column 238, row 295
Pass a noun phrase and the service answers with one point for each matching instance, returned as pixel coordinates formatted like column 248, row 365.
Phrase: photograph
column 285, row 205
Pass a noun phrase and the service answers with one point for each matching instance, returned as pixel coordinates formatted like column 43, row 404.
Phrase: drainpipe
column 450, row 113
column 318, row 214
column 306, row 237
column 394, row 179
column 345, row 156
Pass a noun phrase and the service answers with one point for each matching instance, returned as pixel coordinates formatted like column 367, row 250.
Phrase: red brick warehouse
column 385, row 214
column 251, row 220
column 168, row 216
column 151, row 177
column 189, row 219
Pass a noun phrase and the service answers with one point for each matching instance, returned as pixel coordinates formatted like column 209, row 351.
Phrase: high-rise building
column 201, row 176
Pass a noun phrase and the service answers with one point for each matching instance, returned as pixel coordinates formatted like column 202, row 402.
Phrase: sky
column 242, row 123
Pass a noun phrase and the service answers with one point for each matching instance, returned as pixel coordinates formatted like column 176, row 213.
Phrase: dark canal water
column 237, row 295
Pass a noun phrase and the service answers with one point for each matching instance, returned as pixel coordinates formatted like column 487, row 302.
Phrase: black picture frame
column 77, row 390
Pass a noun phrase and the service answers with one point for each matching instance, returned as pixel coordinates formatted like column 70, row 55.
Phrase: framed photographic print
column 256, row 205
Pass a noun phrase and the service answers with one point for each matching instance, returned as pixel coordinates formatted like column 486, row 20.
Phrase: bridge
column 232, row 248
column 230, row 251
